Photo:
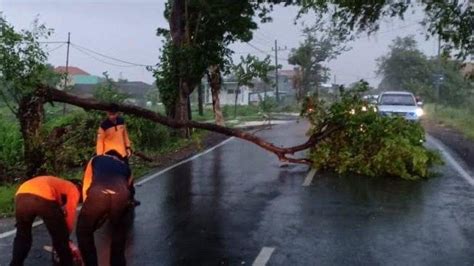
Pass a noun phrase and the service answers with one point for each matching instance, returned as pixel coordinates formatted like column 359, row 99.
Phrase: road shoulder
column 461, row 146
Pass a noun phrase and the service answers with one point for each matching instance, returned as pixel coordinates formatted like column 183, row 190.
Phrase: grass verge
column 7, row 199
column 458, row 118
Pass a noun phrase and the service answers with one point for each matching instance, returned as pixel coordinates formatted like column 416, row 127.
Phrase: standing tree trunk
column 31, row 115
column 182, row 107
column 214, row 78
column 200, row 99
column 235, row 101
column 190, row 111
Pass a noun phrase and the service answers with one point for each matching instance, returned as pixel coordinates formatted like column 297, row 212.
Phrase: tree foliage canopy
column 405, row 67
column 23, row 61
column 320, row 45
column 452, row 20
column 198, row 37
column 250, row 68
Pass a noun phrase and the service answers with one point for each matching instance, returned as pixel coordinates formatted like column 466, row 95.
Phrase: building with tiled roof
column 76, row 76
column 72, row 70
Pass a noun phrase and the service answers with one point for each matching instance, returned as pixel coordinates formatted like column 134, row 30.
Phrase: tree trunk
column 215, row 82
column 31, row 115
column 182, row 107
column 235, row 101
column 200, row 99
column 190, row 111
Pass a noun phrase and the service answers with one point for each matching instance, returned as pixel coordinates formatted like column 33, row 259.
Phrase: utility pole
column 67, row 67
column 276, row 49
column 438, row 77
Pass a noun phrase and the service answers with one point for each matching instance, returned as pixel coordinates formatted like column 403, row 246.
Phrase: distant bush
column 242, row 110
column 368, row 144
column 268, row 104
column 145, row 134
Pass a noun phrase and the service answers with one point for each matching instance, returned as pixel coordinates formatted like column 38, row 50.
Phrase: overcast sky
column 126, row 30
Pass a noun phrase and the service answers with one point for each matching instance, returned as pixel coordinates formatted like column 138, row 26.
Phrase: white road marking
column 263, row 256
column 309, row 177
column 447, row 156
column 183, row 162
column 12, row 232
column 37, row 223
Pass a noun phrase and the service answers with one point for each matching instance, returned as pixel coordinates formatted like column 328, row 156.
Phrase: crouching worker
column 55, row 201
column 106, row 197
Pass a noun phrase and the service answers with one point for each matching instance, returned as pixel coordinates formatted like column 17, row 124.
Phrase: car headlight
column 419, row 112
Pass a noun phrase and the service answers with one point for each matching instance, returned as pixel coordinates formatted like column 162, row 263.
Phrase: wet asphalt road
column 225, row 206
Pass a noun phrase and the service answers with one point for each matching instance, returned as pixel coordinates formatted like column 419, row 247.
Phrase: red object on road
column 76, row 255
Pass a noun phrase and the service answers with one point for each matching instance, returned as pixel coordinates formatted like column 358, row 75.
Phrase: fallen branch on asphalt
column 55, row 95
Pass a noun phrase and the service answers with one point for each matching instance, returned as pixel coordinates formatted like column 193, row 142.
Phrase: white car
column 399, row 103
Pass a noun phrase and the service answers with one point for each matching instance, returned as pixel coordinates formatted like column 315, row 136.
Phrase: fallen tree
column 54, row 95
column 347, row 136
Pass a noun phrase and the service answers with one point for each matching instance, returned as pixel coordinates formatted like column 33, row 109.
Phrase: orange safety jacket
column 54, row 189
column 113, row 136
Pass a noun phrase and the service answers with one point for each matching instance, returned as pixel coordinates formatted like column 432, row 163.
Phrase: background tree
column 23, row 66
column 214, row 78
column 247, row 70
column 452, row 20
column 319, row 46
column 200, row 99
column 196, row 42
column 405, row 67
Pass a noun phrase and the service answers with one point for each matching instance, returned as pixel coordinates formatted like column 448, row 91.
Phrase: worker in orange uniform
column 106, row 197
column 55, row 201
column 113, row 135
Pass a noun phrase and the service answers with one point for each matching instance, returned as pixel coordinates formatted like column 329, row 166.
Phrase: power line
column 264, row 52
column 109, row 57
column 98, row 59
column 256, row 48
column 52, row 42
column 262, row 43
column 55, row 48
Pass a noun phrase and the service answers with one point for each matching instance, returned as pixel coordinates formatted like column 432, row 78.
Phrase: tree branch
column 52, row 94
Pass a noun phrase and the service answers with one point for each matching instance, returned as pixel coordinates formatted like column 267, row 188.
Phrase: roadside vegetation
column 257, row 112
column 7, row 193
column 460, row 118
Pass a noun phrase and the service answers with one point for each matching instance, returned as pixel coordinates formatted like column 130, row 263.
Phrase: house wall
column 227, row 94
